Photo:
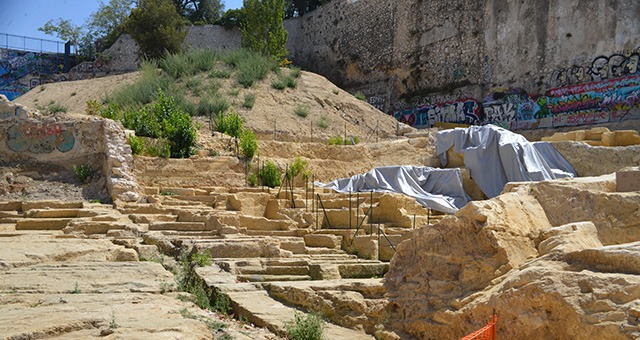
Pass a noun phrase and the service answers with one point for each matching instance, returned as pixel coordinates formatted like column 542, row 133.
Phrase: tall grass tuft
column 253, row 68
column 177, row 65
column 204, row 59
column 142, row 92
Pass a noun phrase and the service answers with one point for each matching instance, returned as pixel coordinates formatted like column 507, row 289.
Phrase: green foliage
column 142, row 92
column 222, row 303
column 65, row 30
column 284, row 81
column 105, row 25
column 339, row 140
column 270, row 174
column 305, row 327
column 323, row 122
column 301, row 110
column 83, row 172
column 230, row 123
column 76, row 289
column 249, row 100
column 199, row 12
column 263, row 27
column 164, row 119
column 137, row 144
column 189, row 282
column 213, row 107
column 234, row 91
column 55, row 107
column 201, row 259
column 297, row 167
column 253, row 179
column 156, row 27
column 360, row 95
column 177, row 65
column 295, row 71
column 232, row 18
column 158, row 148
column 248, row 143
column 335, row 91
column 216, row 73
column 253, row 68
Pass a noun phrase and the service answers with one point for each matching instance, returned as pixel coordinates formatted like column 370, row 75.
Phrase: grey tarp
column 439, row 189
column 495, row 156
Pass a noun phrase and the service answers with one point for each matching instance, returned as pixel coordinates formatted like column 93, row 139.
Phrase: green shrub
column 248, row 143
column 309, row 327
column 360, row 95
column 295, row 71
column 230, row 123
column 137, row 144
column 203, row 59
column 270, row 175
column 55, row 107
column 323, row 122
column 253, row 68
column 177, row 65
column 222, row 303
column 234, row 91
column 201, row 259
column 181, row 133
column 283, row 82
column 83, row 172
column 253, row 179
column 297, row 167
column 249, row 100
column 157, row 27
column 218, row 105
column 301, row 111
column 93, row 107
column 339, row 140
column 194, row 84
column 279, row 84
column 158, row 148
column 142, row 92
column 220, row 74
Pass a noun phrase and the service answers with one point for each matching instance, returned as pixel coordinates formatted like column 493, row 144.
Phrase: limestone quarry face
column 530, row 258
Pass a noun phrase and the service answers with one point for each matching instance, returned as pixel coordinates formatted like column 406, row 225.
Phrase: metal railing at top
column 28, row 44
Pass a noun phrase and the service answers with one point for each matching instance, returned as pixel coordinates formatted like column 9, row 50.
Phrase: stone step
column 325, row 257
column 52, row 213
column 324, row 251
column 362, row 270
column 278, row 233
column 94, row 227
column 274, row 270
column 268, row 278
column 52, row 205
column 11, row 214
column 149, row 218
column 42, row 223
column 10, row 205
column 180, row 226
column 260, row 309
column 323, row 240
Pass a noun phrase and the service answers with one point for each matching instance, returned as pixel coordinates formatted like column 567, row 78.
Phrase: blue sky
column 23, row 17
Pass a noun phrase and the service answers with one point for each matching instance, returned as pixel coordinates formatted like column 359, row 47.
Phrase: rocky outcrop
column 505, row 254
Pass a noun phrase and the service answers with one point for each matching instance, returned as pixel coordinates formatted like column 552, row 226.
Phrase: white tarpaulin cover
column 495, row 156
column 438, row 189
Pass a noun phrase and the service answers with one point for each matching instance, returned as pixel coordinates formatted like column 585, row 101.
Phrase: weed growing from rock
column 83, row 172
column 305, row 327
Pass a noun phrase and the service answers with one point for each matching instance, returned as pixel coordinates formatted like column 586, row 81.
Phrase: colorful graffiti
column 601, row 68
column 585, row 104
column 39, row 138
column 461, row 112
column 15, row 65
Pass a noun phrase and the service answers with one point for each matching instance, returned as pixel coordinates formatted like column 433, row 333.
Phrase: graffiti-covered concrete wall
column 26, row 138
column 518, row 64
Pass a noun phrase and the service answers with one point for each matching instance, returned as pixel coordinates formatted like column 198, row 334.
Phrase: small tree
column 156, row 27
column 199, row 11
column 263, row 27
column 248, row 143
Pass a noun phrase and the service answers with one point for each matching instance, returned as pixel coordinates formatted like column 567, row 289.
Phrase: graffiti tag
column 39, row 138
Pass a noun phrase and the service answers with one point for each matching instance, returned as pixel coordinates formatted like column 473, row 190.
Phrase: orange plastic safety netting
column 487, row 332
